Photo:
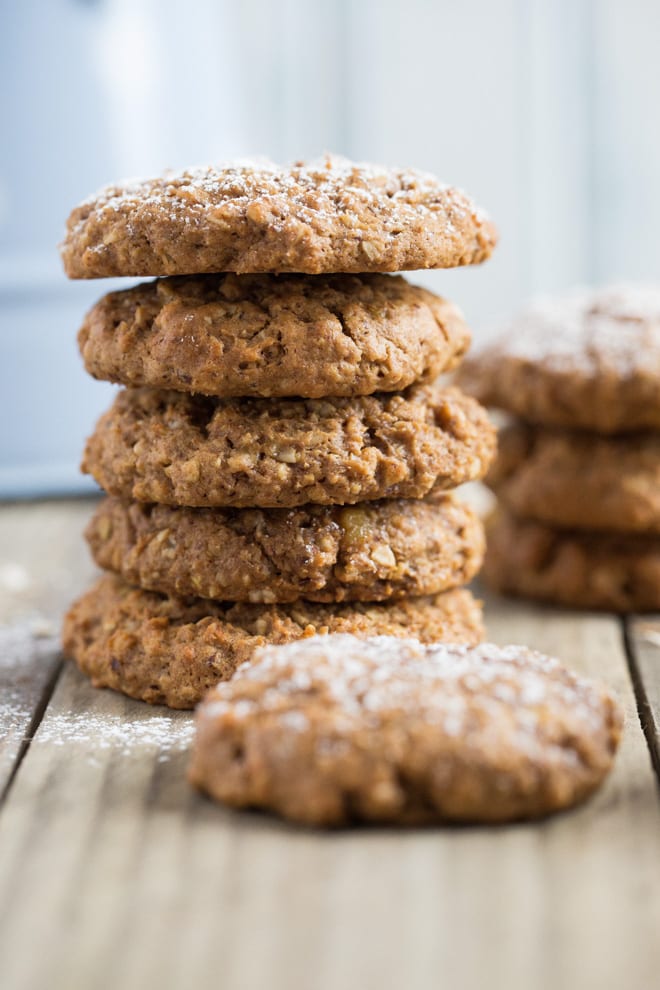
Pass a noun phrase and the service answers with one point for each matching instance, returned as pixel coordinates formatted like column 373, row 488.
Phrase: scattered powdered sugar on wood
column 27, row 653
column 23, row 643
column 649, row 632
column 96, row 731
column 14, row 578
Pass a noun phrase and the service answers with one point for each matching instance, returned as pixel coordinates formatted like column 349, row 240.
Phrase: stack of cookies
column 278, row 462
column 578, row 474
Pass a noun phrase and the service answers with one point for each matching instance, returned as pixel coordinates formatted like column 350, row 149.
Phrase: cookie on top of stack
column 578, row 472
column 279, row 461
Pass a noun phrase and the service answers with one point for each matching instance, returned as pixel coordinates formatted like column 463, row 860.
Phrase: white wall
column 545, row 110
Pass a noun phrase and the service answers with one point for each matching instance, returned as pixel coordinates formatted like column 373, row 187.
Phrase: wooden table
column 113, row 873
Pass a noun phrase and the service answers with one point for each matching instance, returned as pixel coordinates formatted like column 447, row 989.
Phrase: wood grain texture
column 29, row 664
column 114, row 873
column 601, row 866
column 42, row 564
column 44, row 561
column 643, row 641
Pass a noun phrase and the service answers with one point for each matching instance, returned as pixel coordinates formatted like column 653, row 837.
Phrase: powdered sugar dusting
column 27, row 653
column 15, row 711
column 328, row 215
column 238, row 178
column 14, row 578
column 24, row 643
column 94, row 732
column 325, row 189
column 590, row 332
column 27, row 650
column 355, row 682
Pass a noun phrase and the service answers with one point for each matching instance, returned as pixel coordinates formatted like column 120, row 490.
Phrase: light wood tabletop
column 114, row 873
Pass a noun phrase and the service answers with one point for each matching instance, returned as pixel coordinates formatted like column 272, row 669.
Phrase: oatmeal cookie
column 590, row 360
column 264, row 335
column 333, row 730
column 178, row 449
column 620, row 573
column 579, row 480
column 367, row 552
column 325, row 216
column 171, row 650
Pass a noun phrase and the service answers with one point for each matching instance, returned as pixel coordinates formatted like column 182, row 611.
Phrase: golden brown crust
column 577, row 569
column 263, row 335
column 579, row 480
column 333, row 730
column 171, row 650
column 590, row 360
column 176, row 449
column 327, row 216
column 368, row 552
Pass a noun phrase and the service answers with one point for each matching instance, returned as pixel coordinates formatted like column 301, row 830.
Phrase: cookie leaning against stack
column 278, row 462
column 578, row 475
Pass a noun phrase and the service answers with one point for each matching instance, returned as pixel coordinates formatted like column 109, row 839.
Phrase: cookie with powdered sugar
column 334, row 729
column 330, row 215
column 589, row 360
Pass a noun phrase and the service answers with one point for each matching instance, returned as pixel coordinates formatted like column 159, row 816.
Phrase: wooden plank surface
column 44, row 562
column 29, row 664
column 114, row 873
column 643, row 640
column 42, row 565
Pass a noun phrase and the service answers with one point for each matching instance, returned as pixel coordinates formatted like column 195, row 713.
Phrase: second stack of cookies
column 578, row 473
column 278, row 462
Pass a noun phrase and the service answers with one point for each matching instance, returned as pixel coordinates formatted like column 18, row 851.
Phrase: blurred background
column 544, row 110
